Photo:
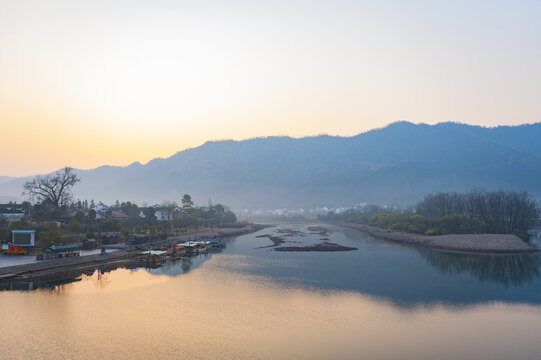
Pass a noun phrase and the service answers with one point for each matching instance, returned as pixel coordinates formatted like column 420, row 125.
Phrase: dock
column 121, row 258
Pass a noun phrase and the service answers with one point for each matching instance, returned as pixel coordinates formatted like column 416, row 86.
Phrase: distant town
column 54, row 219
column 84, row 220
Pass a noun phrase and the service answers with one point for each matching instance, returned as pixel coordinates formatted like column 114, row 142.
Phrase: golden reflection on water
column 213, row 313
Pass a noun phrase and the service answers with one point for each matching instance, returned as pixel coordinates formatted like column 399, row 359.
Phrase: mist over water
column 381, row 301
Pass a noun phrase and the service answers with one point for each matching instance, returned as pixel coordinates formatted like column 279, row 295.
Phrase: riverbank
column 74, row 266
column 468, row 243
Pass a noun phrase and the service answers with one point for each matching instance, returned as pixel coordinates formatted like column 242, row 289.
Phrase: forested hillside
column 397, row 164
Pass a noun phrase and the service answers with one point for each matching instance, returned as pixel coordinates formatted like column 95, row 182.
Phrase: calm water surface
column 382, row 301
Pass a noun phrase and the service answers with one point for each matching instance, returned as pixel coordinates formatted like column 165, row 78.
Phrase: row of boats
column 185, row 249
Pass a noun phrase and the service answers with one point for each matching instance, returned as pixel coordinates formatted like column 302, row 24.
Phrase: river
column 381, row 301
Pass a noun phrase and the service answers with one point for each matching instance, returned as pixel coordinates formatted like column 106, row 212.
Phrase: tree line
column 53, row 201
column 478, row 211
column 52, row 198
column 503, row 212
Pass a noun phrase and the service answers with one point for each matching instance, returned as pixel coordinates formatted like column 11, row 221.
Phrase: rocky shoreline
column 324, row 247
column 276, row 240
column 468, row 243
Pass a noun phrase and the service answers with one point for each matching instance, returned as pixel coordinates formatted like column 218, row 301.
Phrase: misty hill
column 397, row 164
column 4, row 179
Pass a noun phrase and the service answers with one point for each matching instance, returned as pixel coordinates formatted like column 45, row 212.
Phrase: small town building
column 119, row 215
column 111, row 238
column 90, row 244
column 162, row 213
column 100, row 207
column 112, row 215
column 138, row 239
column 14, row 212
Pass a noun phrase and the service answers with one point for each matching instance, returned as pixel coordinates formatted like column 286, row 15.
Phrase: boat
column 154, row 256
column 202, row 249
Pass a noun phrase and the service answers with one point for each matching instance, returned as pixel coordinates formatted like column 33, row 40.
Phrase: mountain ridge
column 396, row 164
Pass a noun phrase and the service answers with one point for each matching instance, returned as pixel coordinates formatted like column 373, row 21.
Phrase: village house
column 100, row 207
column 119, row 215
column 162, row 213
column 14, row 212
column 112, row 215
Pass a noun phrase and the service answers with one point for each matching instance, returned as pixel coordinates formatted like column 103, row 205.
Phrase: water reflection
column 172, row 267
column 210, row 313
column 257, row 303
column 102, row 279
column 18, row 286
column 186, row 264
column 503, row 269
column 405, row 276
column 50, row 284
column 57, row 281
column 58, row 284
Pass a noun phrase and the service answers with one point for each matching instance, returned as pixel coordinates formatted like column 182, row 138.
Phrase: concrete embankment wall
column 60, row 264
column 55, row 266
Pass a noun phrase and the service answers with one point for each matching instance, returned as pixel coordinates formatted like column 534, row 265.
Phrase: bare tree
column 503, row 211
column 441, row 204
column 54, row 188
column 170, row 207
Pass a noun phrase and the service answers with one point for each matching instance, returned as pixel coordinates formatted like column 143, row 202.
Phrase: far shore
column 468, row 243
column 74, row 266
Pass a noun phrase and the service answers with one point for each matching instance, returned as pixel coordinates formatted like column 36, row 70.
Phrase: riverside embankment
column 73, row 266
column 469, row 243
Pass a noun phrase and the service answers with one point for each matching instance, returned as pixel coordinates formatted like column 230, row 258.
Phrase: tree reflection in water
column 170, row 265
column 186, row 264
column 504, row 269
column 102, row 280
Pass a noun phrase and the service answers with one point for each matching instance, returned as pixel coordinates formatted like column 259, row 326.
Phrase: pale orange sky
column 85, row 84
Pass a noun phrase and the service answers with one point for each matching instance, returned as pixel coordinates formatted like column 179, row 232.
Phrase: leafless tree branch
column 54, row 188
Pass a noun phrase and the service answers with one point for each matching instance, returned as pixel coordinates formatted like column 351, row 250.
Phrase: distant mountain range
column 4, row 179
column 397, row 164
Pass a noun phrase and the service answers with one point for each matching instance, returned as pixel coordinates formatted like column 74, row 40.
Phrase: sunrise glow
column 92, row 83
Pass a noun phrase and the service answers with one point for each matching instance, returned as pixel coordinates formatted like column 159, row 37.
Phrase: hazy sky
column 87, row 83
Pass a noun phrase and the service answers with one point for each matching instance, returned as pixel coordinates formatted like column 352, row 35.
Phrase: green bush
column 419, row 224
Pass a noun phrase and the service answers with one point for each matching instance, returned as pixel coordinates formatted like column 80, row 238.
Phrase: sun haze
column 87, row 83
